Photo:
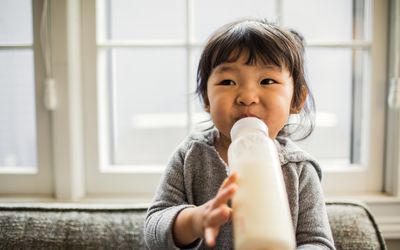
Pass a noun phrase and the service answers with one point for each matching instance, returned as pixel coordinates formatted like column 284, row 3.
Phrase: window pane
column 200, row 118
column 17, row 109
column 149, row 96
column 320, row 20
column 330, row 79
column 210, row 15
column 15, row 21
column 149, row 118
column 141, row 19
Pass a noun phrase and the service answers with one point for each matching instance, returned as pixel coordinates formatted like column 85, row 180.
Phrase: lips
column 244, row 115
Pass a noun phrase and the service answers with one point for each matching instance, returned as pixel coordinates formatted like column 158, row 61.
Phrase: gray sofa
column 59, row 226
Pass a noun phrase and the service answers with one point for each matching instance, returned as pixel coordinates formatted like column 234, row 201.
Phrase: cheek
column 279, row 111
column 217, row 100
column 281, row 101
column 218, row 108
column 288, row 98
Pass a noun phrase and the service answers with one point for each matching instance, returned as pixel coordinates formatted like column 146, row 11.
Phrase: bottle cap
column 248, row 124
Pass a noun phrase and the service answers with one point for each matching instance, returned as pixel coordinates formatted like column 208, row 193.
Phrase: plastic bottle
column 261, row 215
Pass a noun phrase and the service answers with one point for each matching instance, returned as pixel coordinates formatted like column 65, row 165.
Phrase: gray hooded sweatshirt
column 195, row 173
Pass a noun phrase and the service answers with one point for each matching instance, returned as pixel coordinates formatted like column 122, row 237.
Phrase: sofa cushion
column 61, row 226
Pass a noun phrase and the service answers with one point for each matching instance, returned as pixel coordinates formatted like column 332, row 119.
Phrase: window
column 143, row 128
column 338, row 64
column 24, row 146
column 145, row 79
column 149, row 72
column 126, row 81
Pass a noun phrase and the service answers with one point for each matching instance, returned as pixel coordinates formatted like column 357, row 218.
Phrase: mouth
column 246, row 115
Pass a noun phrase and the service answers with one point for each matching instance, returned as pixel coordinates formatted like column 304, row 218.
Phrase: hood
column 289, row 152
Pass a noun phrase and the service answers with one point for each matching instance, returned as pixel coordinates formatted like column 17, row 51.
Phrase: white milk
column 261, row 215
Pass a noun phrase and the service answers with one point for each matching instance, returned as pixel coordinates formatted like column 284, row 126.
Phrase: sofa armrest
column 353, row 226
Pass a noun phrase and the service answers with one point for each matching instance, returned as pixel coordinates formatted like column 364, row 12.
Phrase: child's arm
column 170, row 200
column 313, row 230
column 205, row 221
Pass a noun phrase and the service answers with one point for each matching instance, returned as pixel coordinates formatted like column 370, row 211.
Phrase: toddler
column 248, row 68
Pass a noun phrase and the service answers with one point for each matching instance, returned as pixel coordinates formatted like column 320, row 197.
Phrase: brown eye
column 267, row 81
column 227, row 82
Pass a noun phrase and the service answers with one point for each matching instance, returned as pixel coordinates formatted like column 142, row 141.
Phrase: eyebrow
column 227, row 68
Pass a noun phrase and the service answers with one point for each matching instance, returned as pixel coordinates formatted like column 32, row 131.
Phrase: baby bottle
column 261, row 215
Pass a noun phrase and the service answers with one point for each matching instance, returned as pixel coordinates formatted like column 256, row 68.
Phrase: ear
column 206, row 104
column 207, row 108
column 296, row 108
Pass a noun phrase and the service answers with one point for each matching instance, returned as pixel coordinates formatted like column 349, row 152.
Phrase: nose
column 247, row 95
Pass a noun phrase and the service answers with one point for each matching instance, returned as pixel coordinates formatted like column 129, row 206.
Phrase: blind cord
column 50, row 94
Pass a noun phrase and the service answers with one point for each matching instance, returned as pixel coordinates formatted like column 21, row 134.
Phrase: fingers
column 227, row 190
column 232, row 178
column 210, row 234
column 224, row 195
column 218, row 216
column 215, row 220
column 217, row 211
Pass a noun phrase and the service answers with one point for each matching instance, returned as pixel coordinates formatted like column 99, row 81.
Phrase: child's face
column 236, row 90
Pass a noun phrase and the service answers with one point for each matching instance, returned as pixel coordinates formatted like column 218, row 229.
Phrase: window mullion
column 67, row 127
column 392, row 177
column 358, row 81
column 16, row 46
column 141, row 43
column 351, row 44
column 279, row 12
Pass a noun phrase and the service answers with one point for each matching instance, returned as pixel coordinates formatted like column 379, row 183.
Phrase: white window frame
column 142, row 181
column 60, row 171
column 30, row 180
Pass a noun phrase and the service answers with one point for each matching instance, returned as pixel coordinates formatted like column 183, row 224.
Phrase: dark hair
column 268, row 44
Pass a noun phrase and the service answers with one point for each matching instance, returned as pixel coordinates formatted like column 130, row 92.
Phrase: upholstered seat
column 59, row 226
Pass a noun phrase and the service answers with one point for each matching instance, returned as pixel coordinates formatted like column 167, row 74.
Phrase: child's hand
column 216, row 212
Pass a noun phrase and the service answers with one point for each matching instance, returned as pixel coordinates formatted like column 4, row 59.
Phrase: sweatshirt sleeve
column 169, row 200
column 313, row 230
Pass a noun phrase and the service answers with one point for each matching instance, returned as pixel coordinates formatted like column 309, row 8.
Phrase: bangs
column 255, row 43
